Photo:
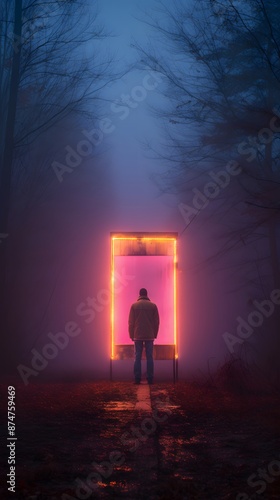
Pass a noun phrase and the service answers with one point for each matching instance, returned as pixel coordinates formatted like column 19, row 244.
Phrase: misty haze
column 140, row 151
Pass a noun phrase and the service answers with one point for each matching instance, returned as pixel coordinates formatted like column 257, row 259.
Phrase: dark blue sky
column 131, row 166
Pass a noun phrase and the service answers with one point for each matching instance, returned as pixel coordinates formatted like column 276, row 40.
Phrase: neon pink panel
column 155, row 273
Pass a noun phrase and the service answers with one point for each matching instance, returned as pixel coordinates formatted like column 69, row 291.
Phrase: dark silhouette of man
column 143, row 325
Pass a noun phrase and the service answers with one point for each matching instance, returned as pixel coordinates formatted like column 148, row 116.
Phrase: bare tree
column 221, row 67
column 52, row 67
column 222, row 86
column 45, row 75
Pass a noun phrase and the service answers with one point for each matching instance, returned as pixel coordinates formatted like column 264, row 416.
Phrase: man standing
column 143, row 325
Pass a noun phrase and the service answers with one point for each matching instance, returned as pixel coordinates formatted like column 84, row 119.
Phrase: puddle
column 118, row 406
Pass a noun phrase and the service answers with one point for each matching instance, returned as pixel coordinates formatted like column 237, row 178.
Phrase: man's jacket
column 143, row 322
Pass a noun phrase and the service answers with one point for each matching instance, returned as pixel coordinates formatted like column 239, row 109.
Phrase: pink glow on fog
column 155, row 273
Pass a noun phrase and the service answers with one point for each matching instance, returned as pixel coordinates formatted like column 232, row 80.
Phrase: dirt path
column 117, row 440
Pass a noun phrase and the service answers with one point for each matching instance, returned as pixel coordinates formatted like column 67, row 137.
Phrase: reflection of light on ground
column 118, row 406
column 123, row 468
column 184, row 477
column 143, row 398
column 164, row 403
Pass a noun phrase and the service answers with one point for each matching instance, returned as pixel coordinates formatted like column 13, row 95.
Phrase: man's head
column 143, row 292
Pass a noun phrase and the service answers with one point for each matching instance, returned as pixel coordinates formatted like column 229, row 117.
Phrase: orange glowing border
column 175, row 261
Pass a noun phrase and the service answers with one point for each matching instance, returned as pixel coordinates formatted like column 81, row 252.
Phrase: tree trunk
column 274, row 333
column 5, row 187
column 272, row 230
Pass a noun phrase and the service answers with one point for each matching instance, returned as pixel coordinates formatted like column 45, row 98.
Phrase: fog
column 60, row 247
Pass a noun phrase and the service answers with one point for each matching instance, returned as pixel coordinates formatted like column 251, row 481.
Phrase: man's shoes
column 150, row 382
column 137, row 382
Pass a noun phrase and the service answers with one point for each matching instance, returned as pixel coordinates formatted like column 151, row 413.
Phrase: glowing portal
column 146, row 260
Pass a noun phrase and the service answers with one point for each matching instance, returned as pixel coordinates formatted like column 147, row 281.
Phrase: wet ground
column 160, row 442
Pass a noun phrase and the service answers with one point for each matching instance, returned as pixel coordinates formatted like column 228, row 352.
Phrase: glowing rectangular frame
column 144, row 236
